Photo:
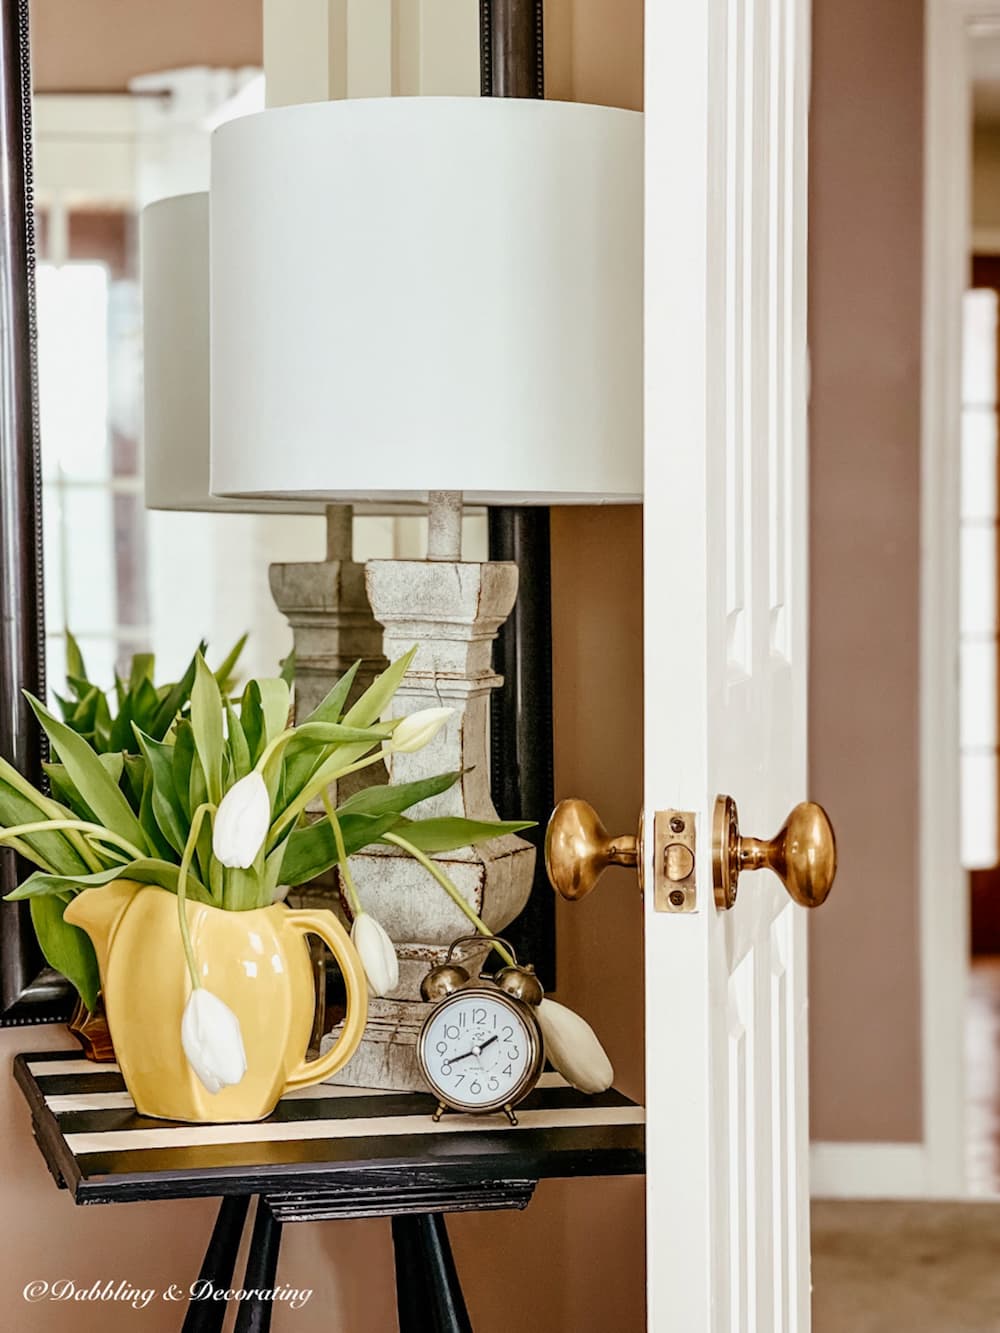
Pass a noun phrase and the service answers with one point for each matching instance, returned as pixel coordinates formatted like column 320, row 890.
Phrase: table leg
column 254, row 1313
column 206, row 1316
column 428, row 1293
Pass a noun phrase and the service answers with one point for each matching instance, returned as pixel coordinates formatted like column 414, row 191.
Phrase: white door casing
column 725, row 654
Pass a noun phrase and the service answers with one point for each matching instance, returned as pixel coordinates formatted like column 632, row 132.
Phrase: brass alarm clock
column 481, row 1048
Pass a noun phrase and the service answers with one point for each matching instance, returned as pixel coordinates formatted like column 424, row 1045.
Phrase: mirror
column 123, row 579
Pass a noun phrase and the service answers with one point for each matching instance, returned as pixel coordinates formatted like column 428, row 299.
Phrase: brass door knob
column 803, row 854
column 578, row 849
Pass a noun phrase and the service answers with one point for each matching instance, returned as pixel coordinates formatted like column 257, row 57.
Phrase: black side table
column 327, row 1152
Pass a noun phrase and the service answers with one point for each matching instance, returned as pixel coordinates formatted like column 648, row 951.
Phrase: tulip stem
column 345, row 869
column 182, row 875
column 29, row 853
column 450, row 890
column 80, row 825
column 314, row 789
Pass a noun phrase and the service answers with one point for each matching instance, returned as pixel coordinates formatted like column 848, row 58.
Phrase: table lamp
column 324, row 601
column 429, row 299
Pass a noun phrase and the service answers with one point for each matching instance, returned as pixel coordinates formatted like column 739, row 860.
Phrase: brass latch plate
column 674, row 862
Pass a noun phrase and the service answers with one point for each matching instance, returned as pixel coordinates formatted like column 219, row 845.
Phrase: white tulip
column 415, row 731
column 241, row 822
column 212, row 1040
column 376, row 951
column 572, row 1046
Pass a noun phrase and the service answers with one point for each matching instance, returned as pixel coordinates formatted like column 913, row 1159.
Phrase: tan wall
column 98, row 45
column 986, row 178
column 864, row 331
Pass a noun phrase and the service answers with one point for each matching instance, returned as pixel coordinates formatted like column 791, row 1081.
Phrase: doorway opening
column 979, row 625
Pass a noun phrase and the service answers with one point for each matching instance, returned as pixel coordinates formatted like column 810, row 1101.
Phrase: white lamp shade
column 415, row 294
column 173, row 244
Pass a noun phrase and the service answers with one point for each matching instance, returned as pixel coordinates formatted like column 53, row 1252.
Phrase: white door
column 725, row 654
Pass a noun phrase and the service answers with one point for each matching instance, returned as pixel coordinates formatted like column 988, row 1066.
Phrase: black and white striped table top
column 324, row 1137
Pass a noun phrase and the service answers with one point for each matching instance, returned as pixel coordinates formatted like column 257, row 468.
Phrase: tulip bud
column 376, row 951
column 573, row 1048
column 414, row 732
column 241, row 822
column 212, row 1041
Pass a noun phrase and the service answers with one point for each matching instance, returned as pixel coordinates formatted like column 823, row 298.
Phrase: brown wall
column 98, row 45
column 864, row 330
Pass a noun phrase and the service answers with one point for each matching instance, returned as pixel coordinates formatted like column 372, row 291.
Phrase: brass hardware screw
column 677, row 824
column 677, row 895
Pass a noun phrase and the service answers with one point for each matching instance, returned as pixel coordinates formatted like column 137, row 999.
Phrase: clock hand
column 476, row 1050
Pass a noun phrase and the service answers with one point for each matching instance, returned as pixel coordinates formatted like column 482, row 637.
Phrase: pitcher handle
column 324, row 924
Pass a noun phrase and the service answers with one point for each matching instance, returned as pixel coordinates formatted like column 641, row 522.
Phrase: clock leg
column 436, row 1117
column 509, row 1112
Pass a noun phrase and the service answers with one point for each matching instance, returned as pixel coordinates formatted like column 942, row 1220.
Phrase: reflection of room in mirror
column 89, row 387
column 978, row 649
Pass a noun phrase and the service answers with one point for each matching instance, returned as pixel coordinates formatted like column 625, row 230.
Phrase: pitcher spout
column 99, row 912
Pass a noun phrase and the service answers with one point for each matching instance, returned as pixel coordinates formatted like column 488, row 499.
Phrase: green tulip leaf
column 373, row 703
column 133, row 778
column 112, row 762
column 142, row 667
column 89, row 776
column 332, row 707
column 120, row 735
column 160, row 846
column 450, row 834
column 275, row 703
column 311, row 850
column 385, row 799
column 171, row 702
column 67, row 948
column 183, row 763
column 74, row 659
column 145, row 704
column 206, row 722
column 64, row 792
column 54, row 848
column 169, row 813
column 149, row 870
column 239, row 749
column 224, row 671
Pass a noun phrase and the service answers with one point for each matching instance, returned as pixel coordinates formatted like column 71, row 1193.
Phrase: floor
column 925, row 1267
column 906, row 1267
column 982, row 1051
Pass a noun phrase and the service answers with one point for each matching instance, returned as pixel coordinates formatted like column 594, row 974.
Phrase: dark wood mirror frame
column 512, row 64
column 30, row 992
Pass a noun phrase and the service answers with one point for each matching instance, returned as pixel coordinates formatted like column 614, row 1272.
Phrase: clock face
column 479, row 1049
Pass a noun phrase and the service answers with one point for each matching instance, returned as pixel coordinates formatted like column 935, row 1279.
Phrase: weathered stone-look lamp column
column 446, row 303
column 452, row 612
column 326, row 604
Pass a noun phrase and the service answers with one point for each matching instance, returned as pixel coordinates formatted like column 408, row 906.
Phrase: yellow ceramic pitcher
column 256, row 961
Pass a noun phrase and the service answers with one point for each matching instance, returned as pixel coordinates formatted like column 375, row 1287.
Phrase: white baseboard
column 868, row 1170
